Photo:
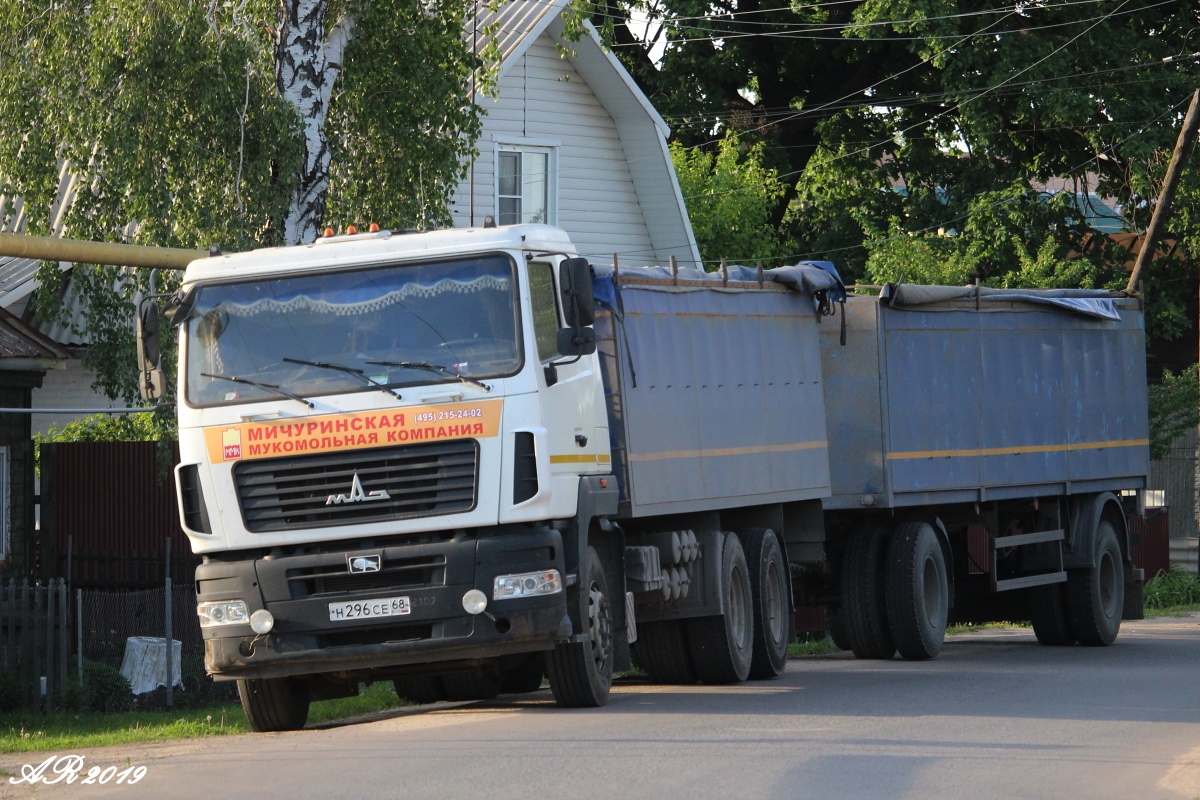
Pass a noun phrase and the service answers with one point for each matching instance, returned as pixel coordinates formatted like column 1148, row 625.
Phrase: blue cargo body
column 714, row 395
column 967, row 400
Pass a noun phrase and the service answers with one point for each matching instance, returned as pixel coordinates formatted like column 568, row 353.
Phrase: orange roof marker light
column 374, row 228
column 329, row 231
column 351, row 230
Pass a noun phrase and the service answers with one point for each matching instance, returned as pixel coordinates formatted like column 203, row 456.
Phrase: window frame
column 525, row 147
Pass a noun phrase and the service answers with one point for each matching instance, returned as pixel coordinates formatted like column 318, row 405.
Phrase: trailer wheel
column 722, row 645
column 1096, row 595
column 918, row 591
column 482, row 683
column 863, row 612
column 771, row 603
column 1048, row 613
column 662, row 652
column 581, row 672
column 274, row 704
column 835, row 622
column 419, row 690
column 524, row 678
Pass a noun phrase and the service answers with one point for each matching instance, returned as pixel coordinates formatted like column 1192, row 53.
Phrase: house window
column 523, row 190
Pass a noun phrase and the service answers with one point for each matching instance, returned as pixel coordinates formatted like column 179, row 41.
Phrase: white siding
column 542, row 100
column 67, row 388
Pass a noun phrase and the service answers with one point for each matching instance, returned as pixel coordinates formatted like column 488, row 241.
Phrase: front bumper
column 298, row 588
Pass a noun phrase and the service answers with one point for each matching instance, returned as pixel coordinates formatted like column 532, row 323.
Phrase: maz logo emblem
column 357, row 565
column 357, row 494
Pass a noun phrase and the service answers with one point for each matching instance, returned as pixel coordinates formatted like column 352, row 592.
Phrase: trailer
column 1007, row 427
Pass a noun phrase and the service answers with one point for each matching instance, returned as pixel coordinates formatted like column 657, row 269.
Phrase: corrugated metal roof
column 18, row 340
column 514, row 22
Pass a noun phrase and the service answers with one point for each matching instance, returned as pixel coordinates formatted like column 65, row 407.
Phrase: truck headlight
column 222, row 612
column 526, row 584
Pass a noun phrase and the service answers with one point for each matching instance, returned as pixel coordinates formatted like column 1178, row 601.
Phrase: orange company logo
column 231, row 444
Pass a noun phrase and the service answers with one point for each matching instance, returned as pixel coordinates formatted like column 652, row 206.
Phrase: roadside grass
column 1173, row 593
column 812, row 644
column 65, row 731
column 966, row 627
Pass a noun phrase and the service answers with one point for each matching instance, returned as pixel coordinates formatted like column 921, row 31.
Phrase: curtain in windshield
column 356, row 330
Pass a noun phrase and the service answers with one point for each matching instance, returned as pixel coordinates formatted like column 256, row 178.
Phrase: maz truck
column 466, row 460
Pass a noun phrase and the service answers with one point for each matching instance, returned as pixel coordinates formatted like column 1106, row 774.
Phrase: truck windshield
column 317, row 334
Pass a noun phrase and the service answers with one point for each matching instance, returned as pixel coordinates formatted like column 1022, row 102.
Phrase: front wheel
column 862, row 611
column 1048, row 613
column 273, row 704
column 581, row 673
column 1096, row 595
column 917, row 590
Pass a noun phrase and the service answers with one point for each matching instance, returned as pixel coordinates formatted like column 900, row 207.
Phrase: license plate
column 367, row 609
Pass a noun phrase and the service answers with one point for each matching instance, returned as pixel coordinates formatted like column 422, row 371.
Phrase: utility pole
column 1158, row 221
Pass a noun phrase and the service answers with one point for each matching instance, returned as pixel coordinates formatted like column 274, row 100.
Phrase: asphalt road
column 995, row 716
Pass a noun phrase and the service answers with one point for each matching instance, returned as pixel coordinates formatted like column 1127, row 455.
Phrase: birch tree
column 237, row 122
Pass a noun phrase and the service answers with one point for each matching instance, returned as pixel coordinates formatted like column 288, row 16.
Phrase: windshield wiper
column 425, row 365
column 358, row 373
column 270, row 387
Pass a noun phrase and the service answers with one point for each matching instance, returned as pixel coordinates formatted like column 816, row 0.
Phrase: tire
column 581, row 673
column 663, row 654
column 862, row 611
column 273, row 704
column 478, row 684
column 836, row 624
column 771, row 602
column 917, row 590
column 420, row 689
column 1048, row 613
column 1096, row 595
column 524, row 678
column 723, row 645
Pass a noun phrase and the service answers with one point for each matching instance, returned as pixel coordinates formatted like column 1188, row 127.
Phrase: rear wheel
column 771, row 603
column 862, row 608
column 662, row 652
column 274, row 704
column 419, row 689
column 1096, row 595
column 835, row 622
column 581, row 672
column 723, row 645
column 917, row 591
column 1048, row 613
column 524, row 678
column 478, row 684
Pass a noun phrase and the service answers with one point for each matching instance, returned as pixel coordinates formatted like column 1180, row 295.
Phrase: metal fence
column 1175, row 475
column 35, row 642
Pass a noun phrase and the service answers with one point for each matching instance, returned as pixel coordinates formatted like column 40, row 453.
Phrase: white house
column 568, row 139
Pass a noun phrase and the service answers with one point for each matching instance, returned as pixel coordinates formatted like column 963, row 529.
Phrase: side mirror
column 151, row 382
column 575, row 285
column 180, row 306
column 576, row 341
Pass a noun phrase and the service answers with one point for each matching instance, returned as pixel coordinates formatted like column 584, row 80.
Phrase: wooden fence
column 34, row 642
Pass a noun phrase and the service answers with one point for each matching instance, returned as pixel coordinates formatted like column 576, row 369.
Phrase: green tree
column 730, row 196
column 253, row 123
column 896, row 118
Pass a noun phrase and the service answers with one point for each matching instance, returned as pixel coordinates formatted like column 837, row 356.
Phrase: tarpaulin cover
column 1092, row 302
column 812, row 277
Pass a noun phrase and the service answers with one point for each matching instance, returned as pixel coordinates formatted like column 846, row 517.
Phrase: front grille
column 398, row 573
column 420, row 480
